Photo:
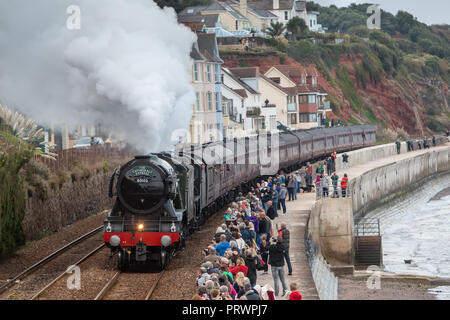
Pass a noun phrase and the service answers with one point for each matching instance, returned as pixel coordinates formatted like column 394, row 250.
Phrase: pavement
column 296, row 218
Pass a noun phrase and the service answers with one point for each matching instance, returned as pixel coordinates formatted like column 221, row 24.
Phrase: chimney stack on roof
column 243, row 7
column 276, row 4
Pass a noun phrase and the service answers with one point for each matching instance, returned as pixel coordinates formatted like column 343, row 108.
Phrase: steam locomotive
column 161, row 199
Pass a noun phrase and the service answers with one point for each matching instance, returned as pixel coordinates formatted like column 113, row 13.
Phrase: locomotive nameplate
column 141, row 171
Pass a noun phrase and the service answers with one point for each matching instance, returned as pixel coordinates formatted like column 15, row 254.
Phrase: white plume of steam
column 127, row 67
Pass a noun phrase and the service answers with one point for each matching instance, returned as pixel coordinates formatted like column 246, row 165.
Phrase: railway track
column 90, row 254
column 126, row 281
column 43, row 262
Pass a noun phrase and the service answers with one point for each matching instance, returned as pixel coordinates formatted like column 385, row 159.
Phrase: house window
column 292, row 118
column 303, row 80
column 197, row 101
column 303, row 117
column 312, row 99
column 208, row 72
column 195, row 71
column 276, row 80
column 303, row 99
column 314, row 81
column 310, row 23
column 216, row 73
column 312, row 117
column 217, row 101
column 286, row 17
column 209, row 101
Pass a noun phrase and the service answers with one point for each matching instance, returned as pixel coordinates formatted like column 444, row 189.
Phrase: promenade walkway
column 296, row 218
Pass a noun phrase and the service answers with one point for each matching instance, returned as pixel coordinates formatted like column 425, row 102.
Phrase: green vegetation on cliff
column 18, row 142
column 363, row 57
column 14, row 154
column 414, row 36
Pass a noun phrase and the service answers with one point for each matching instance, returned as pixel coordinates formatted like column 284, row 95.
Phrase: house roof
column 209, row 20
column 224, row 6
column 207, row 47
column 262, row 13
column 195, row 26
column 268, row 4
column 307, row 88
column 294, row 73
column 241, row 92
column 229, row 91
column 291, row 71
column 311, row 70
column 250, row 72
column 289, row 91
column 241, row 83
column 191, row 11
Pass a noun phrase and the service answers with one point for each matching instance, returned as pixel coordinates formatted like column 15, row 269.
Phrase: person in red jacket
column 240, row 267
column 294, row 295
column 344, row 184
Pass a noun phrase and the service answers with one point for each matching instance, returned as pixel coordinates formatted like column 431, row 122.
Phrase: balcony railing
column 292, row 107
column 253, row 112
column 269, row 106
column 325, row 105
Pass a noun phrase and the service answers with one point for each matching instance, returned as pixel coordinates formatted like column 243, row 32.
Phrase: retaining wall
column 374, row 185
column 329, row 231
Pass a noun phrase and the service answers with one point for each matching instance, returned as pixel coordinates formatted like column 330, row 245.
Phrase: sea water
column 422, row 236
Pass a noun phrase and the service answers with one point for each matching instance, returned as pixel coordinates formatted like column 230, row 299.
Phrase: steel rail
column 152, row 289
column 108, row 286
column 48, row 258
column 65, row 272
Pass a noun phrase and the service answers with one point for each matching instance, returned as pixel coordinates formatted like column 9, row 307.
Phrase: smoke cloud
column 126, row 67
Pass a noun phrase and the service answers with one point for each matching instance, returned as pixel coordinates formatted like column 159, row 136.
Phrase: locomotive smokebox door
column 141, row 252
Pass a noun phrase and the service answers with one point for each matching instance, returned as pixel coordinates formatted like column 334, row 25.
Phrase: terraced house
column 206, row 123
column 311, row 104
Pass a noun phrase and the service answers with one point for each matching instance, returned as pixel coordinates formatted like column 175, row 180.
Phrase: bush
column 349, row 90
column 434, row 125
column 12, row 195
column 303, row 51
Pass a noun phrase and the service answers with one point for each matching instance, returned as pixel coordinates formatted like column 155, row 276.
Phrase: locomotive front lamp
column 141, row 227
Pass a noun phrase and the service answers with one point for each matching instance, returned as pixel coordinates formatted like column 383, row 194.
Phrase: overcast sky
column 429, row 11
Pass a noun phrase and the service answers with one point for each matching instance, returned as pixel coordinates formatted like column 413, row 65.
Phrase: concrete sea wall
column 371, row 187
column 330, row 229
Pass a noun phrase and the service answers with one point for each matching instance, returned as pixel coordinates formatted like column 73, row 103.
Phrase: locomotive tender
column 162, row 199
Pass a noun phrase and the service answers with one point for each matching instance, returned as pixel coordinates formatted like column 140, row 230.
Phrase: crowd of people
column 250, row 239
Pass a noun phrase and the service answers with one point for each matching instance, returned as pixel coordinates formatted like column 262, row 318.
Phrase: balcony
column 269, row 106
column 325, row 105
column 253, row 112
column 292, row 107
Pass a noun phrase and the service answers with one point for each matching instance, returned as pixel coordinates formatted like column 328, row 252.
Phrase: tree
column 298, row 27
column 275, row 29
